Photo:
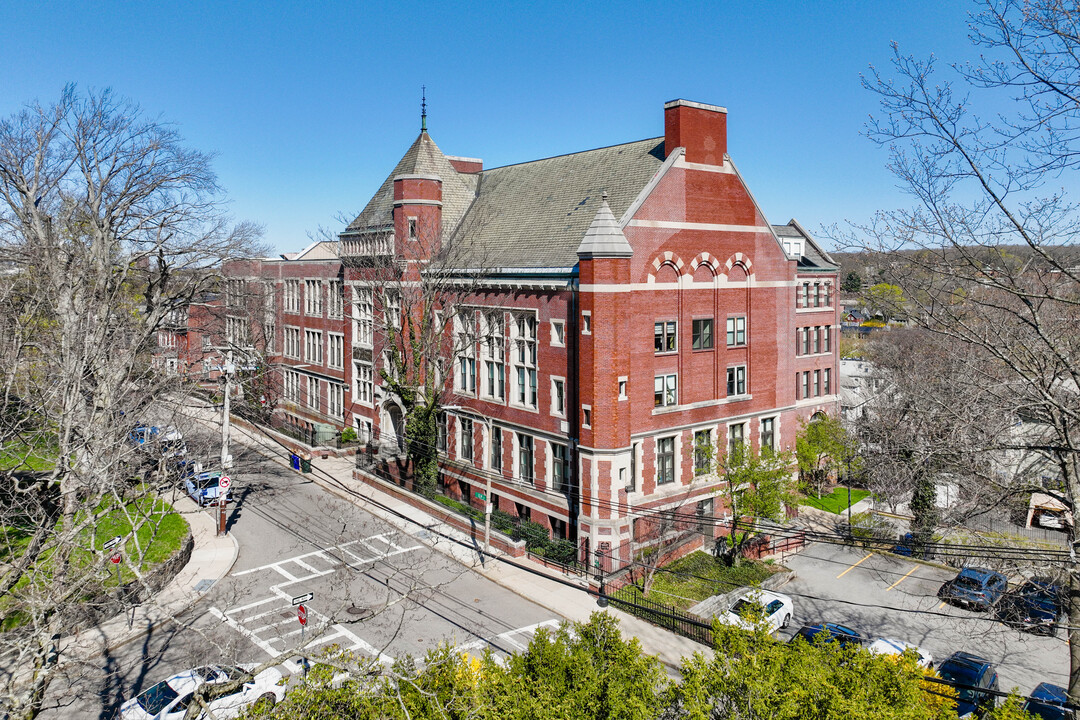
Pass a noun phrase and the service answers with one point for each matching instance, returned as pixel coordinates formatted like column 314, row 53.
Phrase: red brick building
column 628, row 305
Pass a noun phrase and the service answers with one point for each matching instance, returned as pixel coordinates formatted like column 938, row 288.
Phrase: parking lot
column 887, row 596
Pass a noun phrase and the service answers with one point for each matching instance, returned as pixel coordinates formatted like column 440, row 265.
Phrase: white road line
column 242, row 608
column 262, row 644
column 285, row 573
column 315, row 570
column 480, row 642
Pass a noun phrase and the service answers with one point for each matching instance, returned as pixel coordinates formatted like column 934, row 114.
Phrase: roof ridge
column 569, row 154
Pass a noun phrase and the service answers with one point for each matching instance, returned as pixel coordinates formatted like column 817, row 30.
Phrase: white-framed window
column 363, row 430
column 768, row 433
column 702, row 452
column 817, row 295
column 312, row 297
column 736, row 331
column 736, row 380
column 586, row 322
column 313, row 346
column 412, row 229
column 269, row 330
column 623, row 382
column 817, row 383
column 665, row 460
column 465, row 438
column 313, row 399
column 292, row 296
column 493, row 354
column 290, row 386
column 363, row 316
column 335, row 350
column 393, row 308
column 524, row 359
column 558, row 333
column 365, row 385
column 817, row 339
column 236, row 331
column 335, row 300
column 292, row 342
column 665, row 336
column 736, row 434
column 558, row 397
column 466, row 379
column 635, row 463
column 586, row 416
column 826, row 381
column 440, row 432
column 806, row 383
column 496, row 450
column 525, row 457
column 559, row 467
column 335, row 399
column 826, row 340
column 666, row 390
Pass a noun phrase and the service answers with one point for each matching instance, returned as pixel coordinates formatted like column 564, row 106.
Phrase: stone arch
column 743, row 263
column 704, row 268
column 666, row 258
column 393, row 427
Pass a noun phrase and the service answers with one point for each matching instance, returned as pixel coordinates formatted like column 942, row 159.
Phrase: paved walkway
column 542, row 586
column 211, row 559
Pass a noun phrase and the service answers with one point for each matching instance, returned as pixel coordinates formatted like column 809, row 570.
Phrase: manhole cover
column 360, row 612
column 288, row 615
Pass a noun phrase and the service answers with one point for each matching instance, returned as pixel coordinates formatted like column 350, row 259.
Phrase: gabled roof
column 422, row 158
column 814, row 256
column 536, row 214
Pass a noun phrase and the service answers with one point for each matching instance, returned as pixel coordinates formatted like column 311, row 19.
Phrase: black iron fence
column 629, row 599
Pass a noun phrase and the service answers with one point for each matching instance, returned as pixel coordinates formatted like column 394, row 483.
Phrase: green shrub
column 534, row 534
column 502, row 521
column 562, row 551
column 348, row 435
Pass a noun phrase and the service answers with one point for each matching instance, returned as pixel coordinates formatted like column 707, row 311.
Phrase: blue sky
column 308, row 106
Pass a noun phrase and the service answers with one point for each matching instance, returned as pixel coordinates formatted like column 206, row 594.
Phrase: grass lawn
column 17, row 455
column 149, row 525
column 674, row 586
column 836, row 501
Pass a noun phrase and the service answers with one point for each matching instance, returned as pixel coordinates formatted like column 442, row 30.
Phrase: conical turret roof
column 604, row 238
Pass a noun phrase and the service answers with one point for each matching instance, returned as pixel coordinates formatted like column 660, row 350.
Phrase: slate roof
column 536, row 214
column 422, row 158
column 813, row 257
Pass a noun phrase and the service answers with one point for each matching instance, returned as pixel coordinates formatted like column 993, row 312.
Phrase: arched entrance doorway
column 394, row 428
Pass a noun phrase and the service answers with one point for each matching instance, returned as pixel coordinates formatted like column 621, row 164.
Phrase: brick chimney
column 700, row 128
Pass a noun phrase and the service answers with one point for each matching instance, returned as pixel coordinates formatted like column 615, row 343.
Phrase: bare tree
column 105, row 218
column 987, row 257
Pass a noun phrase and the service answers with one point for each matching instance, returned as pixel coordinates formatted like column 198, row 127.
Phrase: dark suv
column 830, row 632
column 974, row 588
column 1033, row 607
column 1049, row 703
column 971, row 676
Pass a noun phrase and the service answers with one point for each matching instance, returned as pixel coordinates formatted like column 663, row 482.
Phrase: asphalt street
column 377, row 592
column 887, row 596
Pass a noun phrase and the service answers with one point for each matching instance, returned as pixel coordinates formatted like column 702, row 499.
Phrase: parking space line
column 853, row 566
column 941, row 605
column 901, row 579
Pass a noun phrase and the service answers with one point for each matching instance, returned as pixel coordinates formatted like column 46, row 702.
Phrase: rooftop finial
column 423, row 108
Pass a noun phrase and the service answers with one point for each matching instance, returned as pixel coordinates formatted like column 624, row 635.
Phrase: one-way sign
column 110, row 544
column 302, row 599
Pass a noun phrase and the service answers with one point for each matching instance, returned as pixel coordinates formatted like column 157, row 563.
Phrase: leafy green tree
column 759, row 486
column 886, row 299
column 924, row 508
column 852, row 282
column 822, row 447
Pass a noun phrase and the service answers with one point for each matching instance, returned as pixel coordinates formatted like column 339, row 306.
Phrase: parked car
column 1035, row 606
column 889, row 646
column 166, row 441
column 1048, row 702
column 971, row 676
column 168, row 700
column 830, row 632
column 974, row 588
column 204, row 488
column 774, row 608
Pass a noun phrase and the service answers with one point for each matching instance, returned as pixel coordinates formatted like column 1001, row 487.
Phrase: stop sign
column 116, row 556
column 301, row 615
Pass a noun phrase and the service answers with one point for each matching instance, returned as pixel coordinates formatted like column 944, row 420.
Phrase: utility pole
column 487, row 514
column 226, row 457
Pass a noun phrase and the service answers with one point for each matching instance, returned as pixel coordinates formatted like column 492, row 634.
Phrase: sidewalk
column 211, row 559
column 541, row 587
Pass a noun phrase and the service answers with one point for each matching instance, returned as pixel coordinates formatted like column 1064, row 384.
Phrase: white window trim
column 551, row 404
column 586, row 322
column 587, row 409
column 623, row 385
column 330, row 356
column 555, row 342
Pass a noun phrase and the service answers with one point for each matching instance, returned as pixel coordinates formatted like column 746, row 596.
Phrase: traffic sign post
column 223, row 490
column 116, row 557
column 301, row 615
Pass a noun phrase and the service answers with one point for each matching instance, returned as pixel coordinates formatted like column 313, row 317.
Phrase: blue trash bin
column 295, row 460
